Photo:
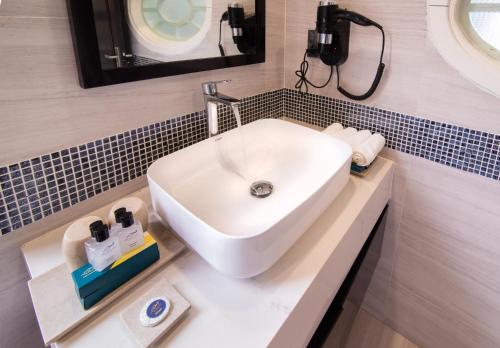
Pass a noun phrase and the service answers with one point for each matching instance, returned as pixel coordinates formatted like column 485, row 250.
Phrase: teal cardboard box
column 92, row 286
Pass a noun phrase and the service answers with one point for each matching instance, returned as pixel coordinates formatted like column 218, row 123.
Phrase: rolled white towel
column 366, row 152
column 359, row 138
column 346, row 134
column 334, row 129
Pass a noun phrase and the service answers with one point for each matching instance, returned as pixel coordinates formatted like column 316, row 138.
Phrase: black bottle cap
column 118, row 214
column 127, row 219
column 101, row 234
column 96, row 225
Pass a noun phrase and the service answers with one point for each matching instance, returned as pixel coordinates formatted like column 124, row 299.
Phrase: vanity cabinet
column 333, row 330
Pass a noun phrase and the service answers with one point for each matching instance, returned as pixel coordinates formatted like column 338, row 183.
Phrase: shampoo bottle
column 102, row 249
column 128, row 231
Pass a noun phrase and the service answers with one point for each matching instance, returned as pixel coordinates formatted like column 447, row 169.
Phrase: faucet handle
column 210, row 88
column 221, row 81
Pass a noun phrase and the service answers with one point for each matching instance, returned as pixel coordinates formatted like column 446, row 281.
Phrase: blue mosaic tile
column 465, row 149
column 37, row 188
column 34, row 189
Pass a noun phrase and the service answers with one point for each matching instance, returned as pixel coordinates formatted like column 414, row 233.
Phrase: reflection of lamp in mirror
column 242, row 29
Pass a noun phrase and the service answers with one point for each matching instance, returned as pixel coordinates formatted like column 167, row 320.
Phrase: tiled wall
column 458, row 147
column 36, row 188
column 43, row 108
column 437, row 280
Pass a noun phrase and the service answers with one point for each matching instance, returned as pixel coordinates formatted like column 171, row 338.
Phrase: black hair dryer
column 333, row 27
column 242, row 29
column 236, row 18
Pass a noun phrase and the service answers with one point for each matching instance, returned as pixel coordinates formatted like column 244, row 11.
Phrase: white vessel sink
column 203, row 192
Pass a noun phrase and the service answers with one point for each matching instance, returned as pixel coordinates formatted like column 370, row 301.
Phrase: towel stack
column 365, row 146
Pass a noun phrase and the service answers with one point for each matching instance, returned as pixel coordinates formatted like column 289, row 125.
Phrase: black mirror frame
column 91, row 74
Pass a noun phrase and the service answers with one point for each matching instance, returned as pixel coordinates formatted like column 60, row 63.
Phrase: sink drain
column 261, row 189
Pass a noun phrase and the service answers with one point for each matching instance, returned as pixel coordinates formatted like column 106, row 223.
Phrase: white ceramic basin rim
column 203, row 191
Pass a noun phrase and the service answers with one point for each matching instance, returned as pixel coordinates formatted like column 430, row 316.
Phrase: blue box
column 92, row 286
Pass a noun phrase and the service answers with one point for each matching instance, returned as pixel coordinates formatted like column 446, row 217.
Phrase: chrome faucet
column 211, row 95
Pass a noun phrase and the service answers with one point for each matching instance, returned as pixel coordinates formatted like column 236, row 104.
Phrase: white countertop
column 280, row 307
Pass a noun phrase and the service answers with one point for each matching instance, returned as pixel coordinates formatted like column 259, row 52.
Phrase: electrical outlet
column 312, row 43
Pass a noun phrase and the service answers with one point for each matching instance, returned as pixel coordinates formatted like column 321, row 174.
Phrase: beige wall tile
column 440, row 254
column 445, row 285
column 437, row 280
column 39, row 8
column 43, row 109
column 419, row 305
column 403, row 165
column 417, row 80
column 448, row 97
column 40, row 88
column 405, row 28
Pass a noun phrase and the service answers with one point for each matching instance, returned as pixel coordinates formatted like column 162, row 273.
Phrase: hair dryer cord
column 376, row 81
column 224, row 17
column 303, row 81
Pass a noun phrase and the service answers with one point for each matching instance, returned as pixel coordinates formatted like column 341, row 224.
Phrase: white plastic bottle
column 73, row 246
column 128, row 231
column 116, row 226
column 102, row 249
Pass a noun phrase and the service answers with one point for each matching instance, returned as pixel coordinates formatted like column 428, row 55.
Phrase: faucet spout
column 212, row 96
column 220, row 98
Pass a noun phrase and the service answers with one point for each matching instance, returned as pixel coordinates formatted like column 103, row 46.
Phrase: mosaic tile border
column 34, row 189
column 458, row 147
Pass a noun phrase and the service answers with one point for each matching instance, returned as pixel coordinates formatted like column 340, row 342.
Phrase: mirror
column 119, row 41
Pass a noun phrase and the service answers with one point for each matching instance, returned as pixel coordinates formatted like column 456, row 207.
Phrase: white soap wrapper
column 147, row 336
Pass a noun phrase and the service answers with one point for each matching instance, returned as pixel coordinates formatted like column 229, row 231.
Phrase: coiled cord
column 304, row 83
column 302, row 75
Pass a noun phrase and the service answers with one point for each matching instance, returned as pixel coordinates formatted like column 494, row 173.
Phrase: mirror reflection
column 147, row 32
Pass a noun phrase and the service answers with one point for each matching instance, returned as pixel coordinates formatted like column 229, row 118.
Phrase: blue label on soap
column 156, row 308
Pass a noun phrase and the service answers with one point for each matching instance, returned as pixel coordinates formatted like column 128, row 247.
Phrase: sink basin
column 203, row 192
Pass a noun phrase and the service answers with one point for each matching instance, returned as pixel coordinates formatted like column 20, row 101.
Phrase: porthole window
column 169, row 27
column 467, row 34
column 482, row 22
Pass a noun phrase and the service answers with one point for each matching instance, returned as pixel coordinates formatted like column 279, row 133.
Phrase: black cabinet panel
column 354, row 287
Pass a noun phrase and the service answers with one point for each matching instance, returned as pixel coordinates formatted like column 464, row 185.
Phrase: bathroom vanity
column 282, row 307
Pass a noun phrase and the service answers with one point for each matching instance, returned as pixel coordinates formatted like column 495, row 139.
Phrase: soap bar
column 91, row 285
column 149, row 336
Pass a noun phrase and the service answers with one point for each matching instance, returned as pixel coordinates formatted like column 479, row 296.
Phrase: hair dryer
column 333, row 28
column 242, row 29
column 236, row 18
